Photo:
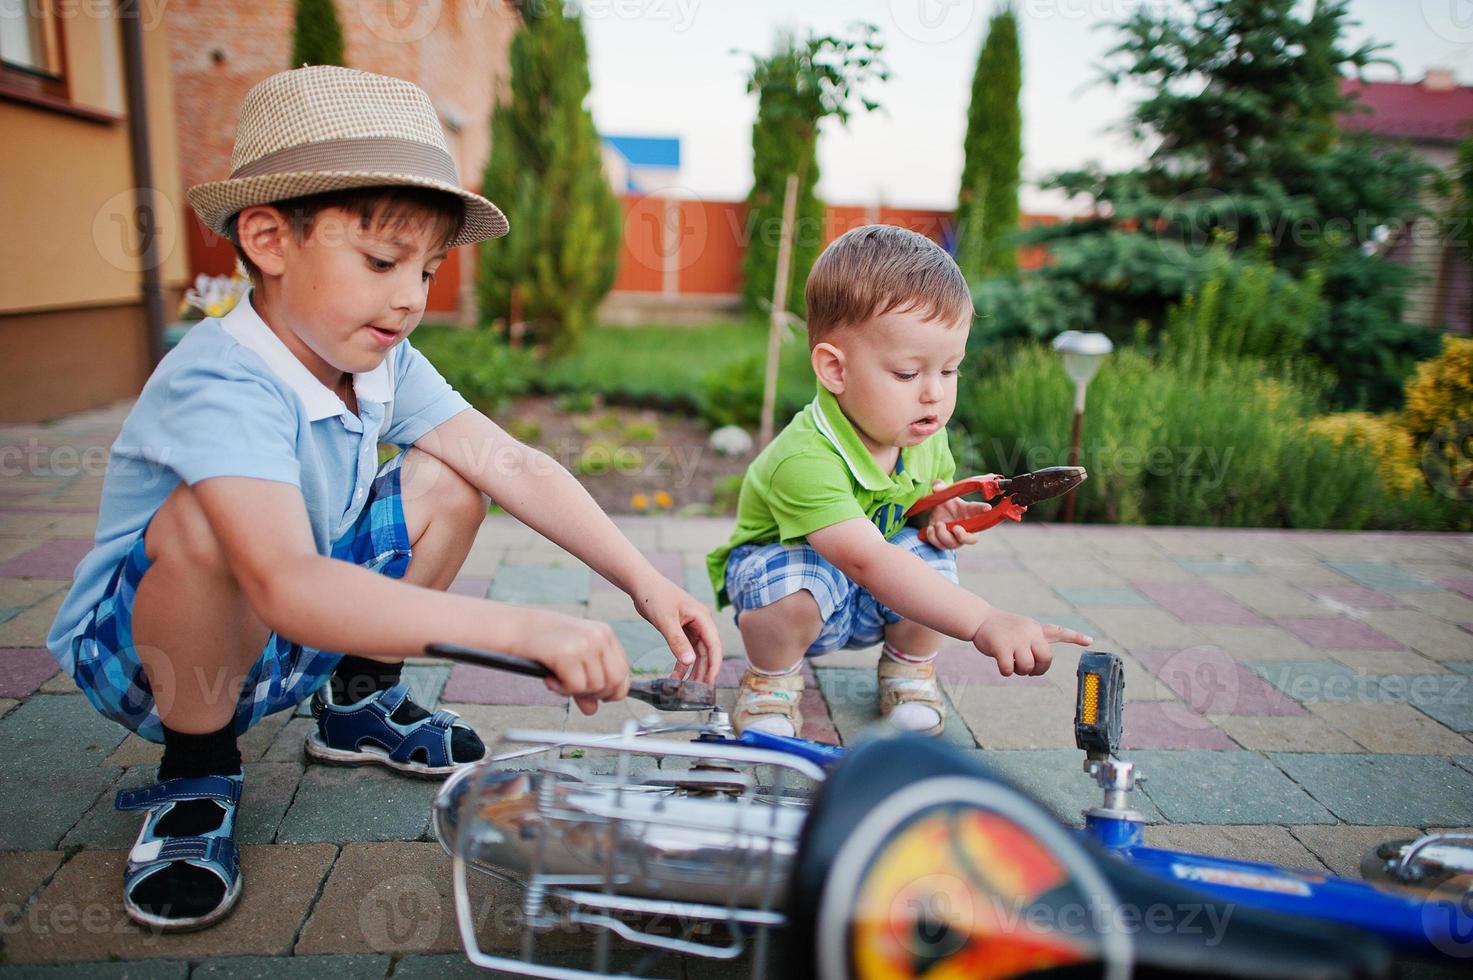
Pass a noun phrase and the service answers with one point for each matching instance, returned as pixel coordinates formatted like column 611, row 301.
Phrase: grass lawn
column 665, row 366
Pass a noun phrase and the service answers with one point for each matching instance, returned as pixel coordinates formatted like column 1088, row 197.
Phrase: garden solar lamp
column 1083, row 355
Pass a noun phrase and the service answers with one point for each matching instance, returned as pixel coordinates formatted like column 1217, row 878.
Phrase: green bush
column 1228, row 447
column 477, row 363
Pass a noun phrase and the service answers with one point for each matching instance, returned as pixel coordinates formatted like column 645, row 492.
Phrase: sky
column 679, row 68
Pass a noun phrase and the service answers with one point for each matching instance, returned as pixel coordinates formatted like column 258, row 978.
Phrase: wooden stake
column 779, row 309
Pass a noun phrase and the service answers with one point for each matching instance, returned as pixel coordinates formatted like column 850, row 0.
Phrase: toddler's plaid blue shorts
column 108, row 670
column 758, row 575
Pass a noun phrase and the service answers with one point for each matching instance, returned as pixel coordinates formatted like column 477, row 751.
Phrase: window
column 30, row 44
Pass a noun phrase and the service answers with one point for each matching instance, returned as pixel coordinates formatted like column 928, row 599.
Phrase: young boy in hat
column 247, row 534
column 822, row 557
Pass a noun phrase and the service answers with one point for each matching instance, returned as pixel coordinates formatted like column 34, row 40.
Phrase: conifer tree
column 317, row 37
column 546, row 172
column 987, row 205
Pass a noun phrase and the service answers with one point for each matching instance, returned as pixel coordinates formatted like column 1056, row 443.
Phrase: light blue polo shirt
column 232, row 400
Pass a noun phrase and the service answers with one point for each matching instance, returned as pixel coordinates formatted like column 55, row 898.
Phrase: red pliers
column 1017, row 493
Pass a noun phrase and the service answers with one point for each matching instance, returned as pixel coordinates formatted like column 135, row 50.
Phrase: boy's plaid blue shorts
column 108, row 670
column 758, row 575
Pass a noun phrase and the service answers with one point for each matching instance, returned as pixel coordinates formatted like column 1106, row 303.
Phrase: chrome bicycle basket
column 640, row 848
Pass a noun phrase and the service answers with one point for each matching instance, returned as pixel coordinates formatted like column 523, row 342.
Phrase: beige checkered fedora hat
column 324, row 128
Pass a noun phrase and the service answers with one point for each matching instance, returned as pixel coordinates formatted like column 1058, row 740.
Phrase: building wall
column 71, row 322
column 456, row 50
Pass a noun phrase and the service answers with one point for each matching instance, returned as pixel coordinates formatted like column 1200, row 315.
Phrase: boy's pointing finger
column 1059, row 634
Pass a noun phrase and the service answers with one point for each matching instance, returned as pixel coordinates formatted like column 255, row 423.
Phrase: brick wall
column 456, row 50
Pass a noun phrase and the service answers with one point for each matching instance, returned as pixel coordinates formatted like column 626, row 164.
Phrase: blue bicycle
column 905, row 857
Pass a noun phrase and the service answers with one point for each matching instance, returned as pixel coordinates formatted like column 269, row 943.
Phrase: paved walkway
column 1294, row 697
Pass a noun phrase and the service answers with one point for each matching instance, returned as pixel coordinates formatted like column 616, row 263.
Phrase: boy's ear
column 262, row 231
column 828, row 364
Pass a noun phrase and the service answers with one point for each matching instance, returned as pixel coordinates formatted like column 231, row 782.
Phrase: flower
column 663, row 500
column 639, row 502
column 213, row 295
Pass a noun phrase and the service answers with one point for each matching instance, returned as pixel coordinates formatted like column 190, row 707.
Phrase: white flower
column 215, row 295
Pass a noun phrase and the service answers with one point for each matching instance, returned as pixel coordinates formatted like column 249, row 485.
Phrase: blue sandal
column 365, row 732
column 214, row 851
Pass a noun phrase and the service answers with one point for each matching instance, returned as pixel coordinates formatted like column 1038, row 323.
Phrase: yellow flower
column 663, row 500
column 639, row 502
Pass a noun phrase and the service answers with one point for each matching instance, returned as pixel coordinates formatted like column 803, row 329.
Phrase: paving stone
column 1123, row 598
column 1269, row 596
column 648, row 653
column 1389, row 662
column 29, row 629
column 1198, row 603
column 1448, row 698
column 1354, row 596
column 1025, row 718
column 1383, row 576
column 1224, row 787
column 1212, row 683
column 1423, row 633
column 1265, row 844
column 1218, row 567
column 698, row 584
column 1055, row 779
column 138, row 970
column 1267, row 733
column 540, row 583
column 1073, row 621
column 22, row 593
column 22, row 873
column 81, row 911
column 425, row 681
column 477, row 685
column 1340, row 632
column 1071, row 573
column 385, row 898
column 1394, row 789
column 1257, row 643
column 38, row 808
column 57, row 558
column 60, row 683
column 1019, row 590
column 1135, row 628
column 1318, row 681
column 851, row 697
column 23, row 670
column 1460, row 583
column 1169, row 725
column 8, row 704
column 1465, row 667
column 287, row 745
column 1147, row 570
column 355, row 804
column 1447, row 606
column 1392, row 728
column 1340, row 846
column 360, row 967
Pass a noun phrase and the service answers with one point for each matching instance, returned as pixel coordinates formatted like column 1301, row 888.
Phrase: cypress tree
column 797, row 86
column 546, row 172
column 987, row 205
column 317, row 37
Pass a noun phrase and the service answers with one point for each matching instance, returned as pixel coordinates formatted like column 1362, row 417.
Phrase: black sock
column 355, row 678
column 180, row 890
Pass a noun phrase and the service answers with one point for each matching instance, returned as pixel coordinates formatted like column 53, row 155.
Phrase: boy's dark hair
column 378, row 209
column 878, row 269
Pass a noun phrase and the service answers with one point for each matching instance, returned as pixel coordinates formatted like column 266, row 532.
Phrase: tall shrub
column 799, row 84
column 546, row 172
column 317, row 37
column 987, row 204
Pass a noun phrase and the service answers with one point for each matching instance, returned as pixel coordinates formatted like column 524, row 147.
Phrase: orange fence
column 687, row 247
column 671, row 247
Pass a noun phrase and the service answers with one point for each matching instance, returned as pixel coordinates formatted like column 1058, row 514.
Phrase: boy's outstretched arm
column 532, row 487
column 912, row 588
column 262, row 527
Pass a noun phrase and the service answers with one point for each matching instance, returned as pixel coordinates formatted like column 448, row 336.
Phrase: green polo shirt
column 817, row 473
